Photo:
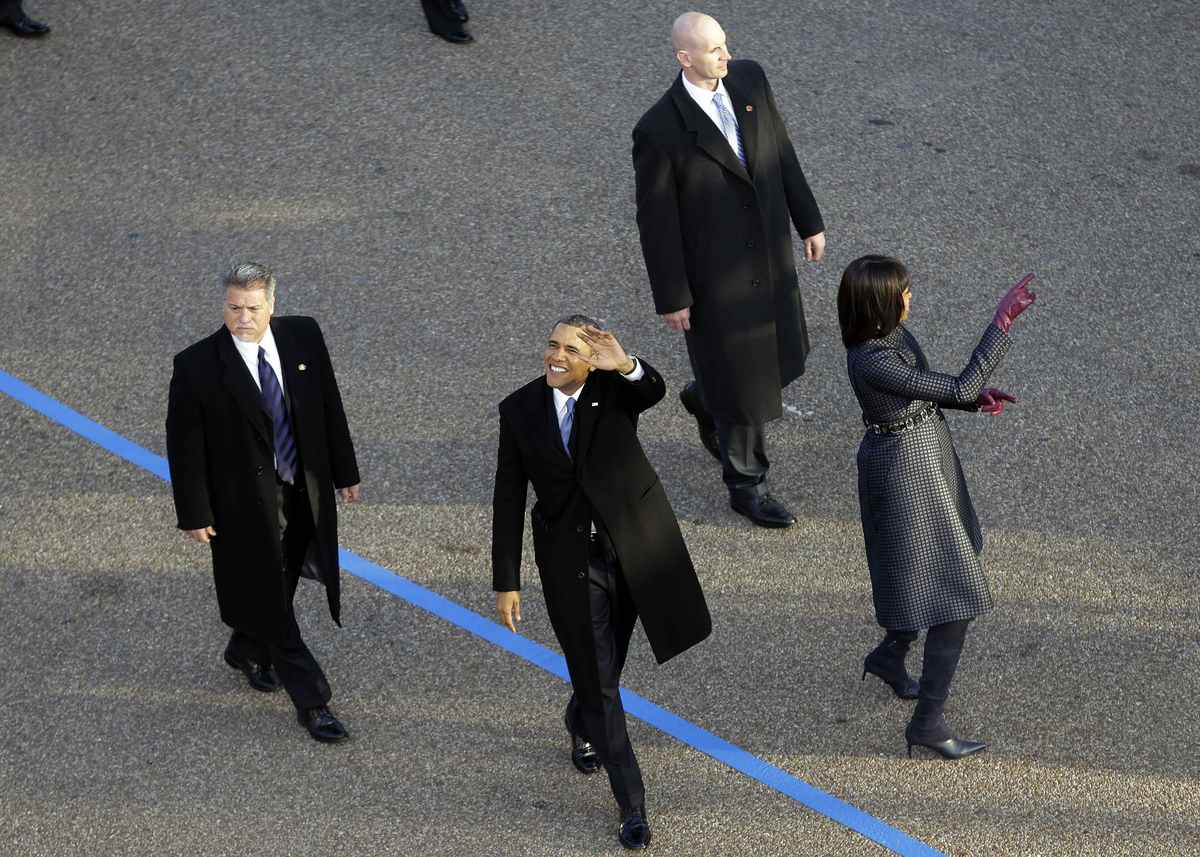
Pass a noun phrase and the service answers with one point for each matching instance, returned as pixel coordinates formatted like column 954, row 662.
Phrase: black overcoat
column 221, row 453
column 608, row 479
column 716, row 237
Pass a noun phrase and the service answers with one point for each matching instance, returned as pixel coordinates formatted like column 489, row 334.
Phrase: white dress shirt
column 704, row 99
column 249, row 353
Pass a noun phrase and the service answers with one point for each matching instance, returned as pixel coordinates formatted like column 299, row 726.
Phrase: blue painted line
column 665, row 721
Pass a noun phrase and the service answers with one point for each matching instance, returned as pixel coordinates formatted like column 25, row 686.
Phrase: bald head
column 700, row 48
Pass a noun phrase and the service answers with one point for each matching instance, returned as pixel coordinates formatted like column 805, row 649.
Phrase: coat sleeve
column 802, row 206
column 508, row 512
column 887, row 370
column 186, row 454
column 658, row 225
column 644, row 393
column 343, row 463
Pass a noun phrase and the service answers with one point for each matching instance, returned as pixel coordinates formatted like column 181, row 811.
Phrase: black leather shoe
column 459, row 37
column 690, row 399
column 948, row 748
column 635, row 830
column 762, row 509
column 583, row 754
column 457, row 10
column 23, row 25
column 322, row 725
column 260, row 677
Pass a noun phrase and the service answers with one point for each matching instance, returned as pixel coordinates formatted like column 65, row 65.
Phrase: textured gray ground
column 434, row 206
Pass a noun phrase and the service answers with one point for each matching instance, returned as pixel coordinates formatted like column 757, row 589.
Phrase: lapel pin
column 595, row 404
column 301, row 367
column 749, row 108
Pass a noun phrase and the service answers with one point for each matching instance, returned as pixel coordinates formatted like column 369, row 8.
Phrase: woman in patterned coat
column 922, row 536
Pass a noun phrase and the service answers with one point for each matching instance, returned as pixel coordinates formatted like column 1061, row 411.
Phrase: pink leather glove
column 1016, row 301
column 991, row 401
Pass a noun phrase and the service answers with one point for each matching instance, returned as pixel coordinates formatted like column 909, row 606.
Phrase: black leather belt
column 902, row 425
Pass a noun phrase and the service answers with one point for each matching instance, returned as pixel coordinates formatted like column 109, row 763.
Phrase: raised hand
column 1015, row 301
column 991, row 401
column 607, row 354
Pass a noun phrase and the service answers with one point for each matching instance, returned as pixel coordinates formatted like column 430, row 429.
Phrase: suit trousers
column 601, row 719
column 744, row 461
column 437, row 15
column 9, row 9
column 299, row 672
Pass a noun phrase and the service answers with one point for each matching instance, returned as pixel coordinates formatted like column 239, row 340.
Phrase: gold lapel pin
column 749, row 108
column 302, row 367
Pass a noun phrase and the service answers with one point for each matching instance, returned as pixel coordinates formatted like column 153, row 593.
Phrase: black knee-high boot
column 886, row 661
column 928, row 727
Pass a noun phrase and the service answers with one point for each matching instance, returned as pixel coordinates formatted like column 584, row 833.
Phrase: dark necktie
column 272, row 399
column 564, row 428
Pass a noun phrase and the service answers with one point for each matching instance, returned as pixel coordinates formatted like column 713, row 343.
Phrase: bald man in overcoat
column 719, row 188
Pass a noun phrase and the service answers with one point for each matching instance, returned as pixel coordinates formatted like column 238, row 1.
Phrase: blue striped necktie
column 730, row 127
column 564, row 427
column 272, row 399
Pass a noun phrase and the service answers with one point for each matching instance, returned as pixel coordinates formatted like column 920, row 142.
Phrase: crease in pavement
column 660, row 718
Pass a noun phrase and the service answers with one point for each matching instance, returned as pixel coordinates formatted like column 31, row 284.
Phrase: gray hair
column 578, row 319
column 251, row 275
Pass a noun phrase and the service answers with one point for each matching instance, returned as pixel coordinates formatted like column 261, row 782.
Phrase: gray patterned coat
column 922, row 537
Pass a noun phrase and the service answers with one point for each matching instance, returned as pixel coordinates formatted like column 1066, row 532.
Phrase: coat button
column 746, row 205
column 579, row 528
column 750, row 244
column 755, row 283
column 581, row 575
column 258, row 470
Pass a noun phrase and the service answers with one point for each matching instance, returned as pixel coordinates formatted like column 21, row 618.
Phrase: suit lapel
column 587, row 411
column 551, row 432
column 747, row 121
column 708, row 137
column 291, row 357
column 237, row 381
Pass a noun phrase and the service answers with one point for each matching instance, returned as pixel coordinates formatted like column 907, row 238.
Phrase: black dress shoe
column 322, row 725
column 946, row 747
column 459, row 37
column 583, row 754
column 635, row 830
column 762, row 509
column 23, row 25
column 260, row 677
column 690, row 398
column 456, row 9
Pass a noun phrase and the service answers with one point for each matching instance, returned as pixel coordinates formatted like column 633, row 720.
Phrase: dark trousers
column 600, row 718
column 438, row 16
column 298, row 670
column 9, row 9
column 744, row 461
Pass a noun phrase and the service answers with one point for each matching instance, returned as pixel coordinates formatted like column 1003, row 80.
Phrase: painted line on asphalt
column 468, row 620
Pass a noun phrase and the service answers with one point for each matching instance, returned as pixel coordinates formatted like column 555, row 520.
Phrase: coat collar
column 707, row 136
column 587, row 411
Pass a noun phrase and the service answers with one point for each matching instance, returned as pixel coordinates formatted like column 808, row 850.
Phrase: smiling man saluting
column 607, row 543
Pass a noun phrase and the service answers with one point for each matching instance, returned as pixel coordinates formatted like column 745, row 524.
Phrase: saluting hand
column 607, row 354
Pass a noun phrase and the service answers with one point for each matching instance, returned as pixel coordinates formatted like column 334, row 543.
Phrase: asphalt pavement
column 436, row 207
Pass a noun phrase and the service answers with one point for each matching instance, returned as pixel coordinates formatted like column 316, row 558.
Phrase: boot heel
column 864, row 678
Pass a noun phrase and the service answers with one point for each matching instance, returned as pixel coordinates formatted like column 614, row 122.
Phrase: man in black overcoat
column 12, row 16
column 718, row 189
column 257, row 442
column 607, row 544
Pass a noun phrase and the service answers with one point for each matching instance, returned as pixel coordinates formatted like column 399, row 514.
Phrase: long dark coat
column 716, row 237
column 221, row 452
column 607, row 479
column 922, row 536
